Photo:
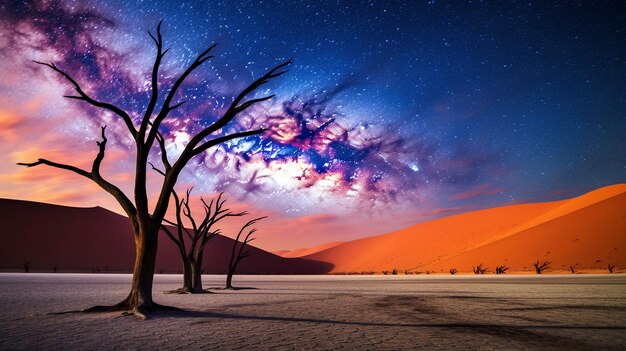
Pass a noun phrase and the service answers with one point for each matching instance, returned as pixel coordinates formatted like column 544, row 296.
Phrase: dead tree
column 501, row 269
column 453, row 271
column 238, row 252
column 192, row 242
column 26, row 266
column 480, row 269
column 573, row 268
column 146, row 136
column 611, row 268
column 540, row 267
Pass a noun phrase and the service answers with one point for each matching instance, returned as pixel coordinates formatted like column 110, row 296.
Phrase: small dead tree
column 238, row 252
column 192, row 242
column 55, row 268
column 453, row 271
column 146, row 217
column 480, row 269
column 611, row 267
column 540, row 267
column 501, row 269
column 572, row 268
column 26, row 266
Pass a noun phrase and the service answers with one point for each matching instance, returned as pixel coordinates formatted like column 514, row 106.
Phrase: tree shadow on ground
column 234, row 288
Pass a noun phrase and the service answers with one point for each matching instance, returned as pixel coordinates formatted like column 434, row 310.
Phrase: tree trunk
column 196, row 269
column 187, row 274
column 229, row 279
column 146, row 244
column 139, row 300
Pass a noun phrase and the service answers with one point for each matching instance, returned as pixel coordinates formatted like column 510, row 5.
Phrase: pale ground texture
column 322, row 312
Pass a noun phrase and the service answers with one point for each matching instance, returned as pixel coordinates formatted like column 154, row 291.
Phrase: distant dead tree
column 573, row 268
column 501, row 269
column 453, row 271
column 480, row 269
column 55, row 268
column 192, row 242
column 26, row 266
column 146, row 136
column 611, row 267
column 238, row 252
column 540, row 267
column 394, row 271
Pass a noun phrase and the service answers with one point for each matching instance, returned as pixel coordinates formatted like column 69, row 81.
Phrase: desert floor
column 322, row 312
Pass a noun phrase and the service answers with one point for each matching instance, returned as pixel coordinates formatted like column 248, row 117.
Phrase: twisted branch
column 84, row 97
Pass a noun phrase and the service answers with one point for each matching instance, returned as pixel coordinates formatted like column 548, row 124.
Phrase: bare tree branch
column 236, row 108
column 156, row 169
column 83, row 96
column 158, row 41
column 94, row 175
column 169, row 234
column 43, row 161
column 166, row 109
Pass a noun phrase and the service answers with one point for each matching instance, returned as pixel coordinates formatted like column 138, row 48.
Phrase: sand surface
column 322, row 312
column 587, row 231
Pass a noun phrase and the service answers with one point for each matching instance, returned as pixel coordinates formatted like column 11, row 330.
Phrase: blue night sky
column 417, row 106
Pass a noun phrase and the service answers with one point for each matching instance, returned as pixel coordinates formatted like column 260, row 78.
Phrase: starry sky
column 392, row 112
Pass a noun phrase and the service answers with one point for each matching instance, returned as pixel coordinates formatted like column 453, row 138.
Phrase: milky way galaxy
column 420, row 108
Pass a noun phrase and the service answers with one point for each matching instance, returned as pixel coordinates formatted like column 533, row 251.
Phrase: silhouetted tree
column 145, row 133
column 573, row 268
column 453, row 271
column 611, row 267
column 480, row 269
column 238, row 252
column 501, row 269
column 192, row 242
column 540, row 267
column 26, row 266
column 55, row 268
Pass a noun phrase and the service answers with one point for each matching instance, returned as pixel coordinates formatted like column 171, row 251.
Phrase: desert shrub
column 394, row 272
column 573, row 268
column 501, row 269
column 480, row 269
column 26, row 266
column 540, row 267
column 386, row 272
column 453, row 271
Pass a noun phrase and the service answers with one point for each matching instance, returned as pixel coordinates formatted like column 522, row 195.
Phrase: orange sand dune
column 589, row 230
column 305, row 251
